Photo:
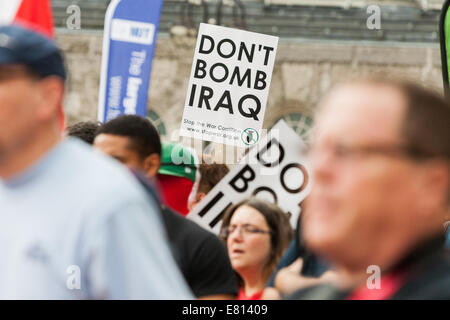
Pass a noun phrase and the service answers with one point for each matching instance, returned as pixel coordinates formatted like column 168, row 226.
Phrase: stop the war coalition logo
column 229, row 85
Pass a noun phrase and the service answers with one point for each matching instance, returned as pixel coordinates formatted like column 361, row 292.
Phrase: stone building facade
column 303, row 73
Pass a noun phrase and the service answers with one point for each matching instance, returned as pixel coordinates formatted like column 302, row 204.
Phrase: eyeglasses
column 245, row 229
column 342, row 151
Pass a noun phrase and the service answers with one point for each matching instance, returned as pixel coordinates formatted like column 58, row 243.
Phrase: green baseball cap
column 178, row 160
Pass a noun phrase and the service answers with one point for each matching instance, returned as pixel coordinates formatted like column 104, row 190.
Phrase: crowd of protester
column 112, row 200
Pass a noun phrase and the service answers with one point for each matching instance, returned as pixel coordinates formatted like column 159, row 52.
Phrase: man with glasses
column 380, row 161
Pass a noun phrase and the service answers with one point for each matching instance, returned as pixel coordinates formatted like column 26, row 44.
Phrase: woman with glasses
column 256, row 234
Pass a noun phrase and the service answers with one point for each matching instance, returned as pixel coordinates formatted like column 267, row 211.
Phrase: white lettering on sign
column 115, row 88
column 132, row 31
column 130, row 102
column 137, row 59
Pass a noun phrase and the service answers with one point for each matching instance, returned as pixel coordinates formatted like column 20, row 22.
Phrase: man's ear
column 51, row 97
column 151, row 165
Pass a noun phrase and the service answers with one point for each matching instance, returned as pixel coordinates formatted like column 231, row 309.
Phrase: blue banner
column 129, row 41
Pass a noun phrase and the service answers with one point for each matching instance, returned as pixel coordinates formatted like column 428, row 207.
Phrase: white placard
column 229, row 85
column 275, row 170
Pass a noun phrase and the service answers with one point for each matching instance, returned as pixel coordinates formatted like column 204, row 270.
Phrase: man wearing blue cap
column 73, row 224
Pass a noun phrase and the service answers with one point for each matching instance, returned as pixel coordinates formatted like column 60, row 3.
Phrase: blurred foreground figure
column 73, row 224
column 381, row 191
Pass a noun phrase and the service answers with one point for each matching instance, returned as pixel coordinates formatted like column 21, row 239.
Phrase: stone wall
column 304, row 71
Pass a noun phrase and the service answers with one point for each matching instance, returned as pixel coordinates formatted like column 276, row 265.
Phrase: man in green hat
column 178, row 176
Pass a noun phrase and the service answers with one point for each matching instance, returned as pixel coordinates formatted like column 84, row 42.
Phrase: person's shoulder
column 82, row 154
column 207, row 266
column 201, row 234
column 208, row 243
column 87, row 162
column 99, row 179
column 435, row 265
column 177, row 221
column 189, row 232
column 430, row 278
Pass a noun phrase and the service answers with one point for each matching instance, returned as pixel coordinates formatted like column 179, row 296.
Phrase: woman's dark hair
column 279, row 225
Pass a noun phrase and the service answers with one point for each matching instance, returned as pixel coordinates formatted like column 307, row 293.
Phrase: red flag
column 36, row 15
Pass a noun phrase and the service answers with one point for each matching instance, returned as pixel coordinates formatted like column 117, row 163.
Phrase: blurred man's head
column 84, row 130
column 381, row 172
column 132, row 140
column 32, row 78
